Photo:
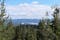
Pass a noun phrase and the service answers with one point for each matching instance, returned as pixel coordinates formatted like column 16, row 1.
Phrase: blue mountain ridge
column 25, row 21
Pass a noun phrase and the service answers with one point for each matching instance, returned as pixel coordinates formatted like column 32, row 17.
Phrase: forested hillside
column 45, row 30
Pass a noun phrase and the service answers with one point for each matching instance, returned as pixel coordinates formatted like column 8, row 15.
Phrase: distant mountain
column 25, row 21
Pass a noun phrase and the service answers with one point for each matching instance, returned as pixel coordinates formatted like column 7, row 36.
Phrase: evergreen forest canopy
column 45, row 30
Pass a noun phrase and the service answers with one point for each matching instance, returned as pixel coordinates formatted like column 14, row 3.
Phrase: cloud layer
column 28, row 11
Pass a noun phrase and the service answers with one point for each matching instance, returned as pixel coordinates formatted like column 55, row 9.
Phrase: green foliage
column 8, row 34
column 55, row 23
column 46, row 30
column 25, row 32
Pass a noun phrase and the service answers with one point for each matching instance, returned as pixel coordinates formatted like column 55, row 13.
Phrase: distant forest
column 45, row 30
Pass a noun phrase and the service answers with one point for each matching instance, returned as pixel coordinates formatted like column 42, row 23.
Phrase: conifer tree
column 2, row 14
column 31, row 33
column 48, row 28
column 2, row 19
column 55, row 22
column 10, row 31
column 45, row 32
column 20, row 32
column 40, row 33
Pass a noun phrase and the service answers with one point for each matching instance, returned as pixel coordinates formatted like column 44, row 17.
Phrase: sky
column 30, row 9
column 45, row 2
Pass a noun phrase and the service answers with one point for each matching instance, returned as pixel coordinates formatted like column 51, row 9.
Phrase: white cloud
column 35, row 2
column 28, row 11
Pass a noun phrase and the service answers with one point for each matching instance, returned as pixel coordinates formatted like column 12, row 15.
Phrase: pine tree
column 48, row 28
column 31, row 33
column 2, row 19
column 45, row 32
column 9, row 31
column 55, row 22
column 20, row 32
column 2, row 14
column 41, row 29
column 2, row 9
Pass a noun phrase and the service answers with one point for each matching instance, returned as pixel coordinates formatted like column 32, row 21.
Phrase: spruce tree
column 40, row 34
column 45, row 32
column 55, row 22
column 31, row 33
column 2, row 14
column 2, row 19
column 10, row 31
